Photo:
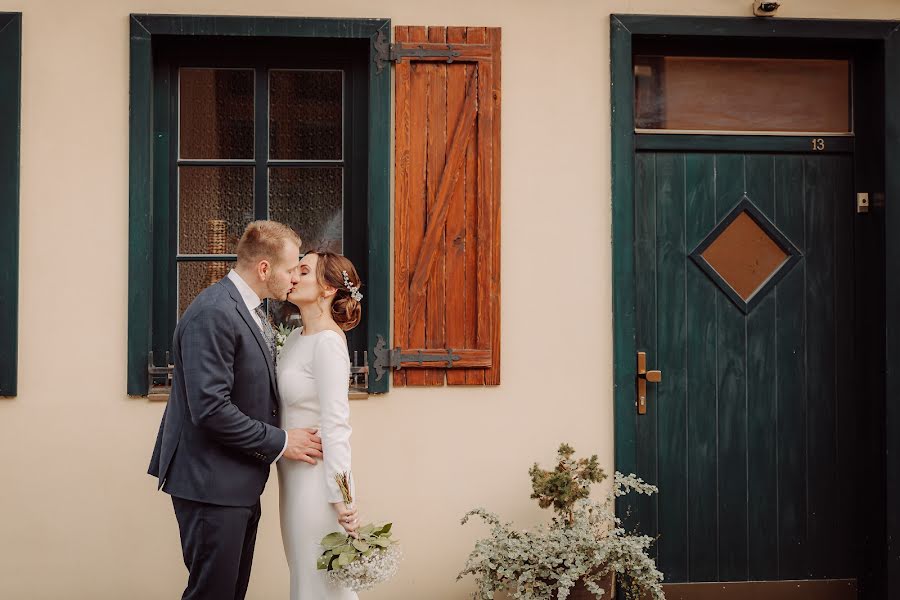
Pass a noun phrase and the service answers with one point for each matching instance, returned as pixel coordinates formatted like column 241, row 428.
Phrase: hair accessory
column 354, row 289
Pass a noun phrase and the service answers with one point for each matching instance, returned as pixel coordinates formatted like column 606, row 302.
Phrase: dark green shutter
column 10, row 103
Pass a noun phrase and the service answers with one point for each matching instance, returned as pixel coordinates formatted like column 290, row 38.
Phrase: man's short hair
column 264, row 240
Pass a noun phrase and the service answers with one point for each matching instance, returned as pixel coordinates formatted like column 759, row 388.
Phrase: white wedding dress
column 313, row 378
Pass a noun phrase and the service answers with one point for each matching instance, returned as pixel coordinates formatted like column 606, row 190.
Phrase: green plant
column 584, row 541
column 568, row 483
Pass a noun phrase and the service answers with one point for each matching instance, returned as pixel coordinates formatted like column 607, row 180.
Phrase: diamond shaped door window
column 745, row 255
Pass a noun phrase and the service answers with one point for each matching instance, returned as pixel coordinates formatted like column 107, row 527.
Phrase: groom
column 219, row 433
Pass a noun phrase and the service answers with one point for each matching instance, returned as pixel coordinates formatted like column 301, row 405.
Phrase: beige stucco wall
column 78, row 516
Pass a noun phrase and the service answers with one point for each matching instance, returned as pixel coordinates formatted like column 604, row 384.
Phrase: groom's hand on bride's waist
column 304, row 445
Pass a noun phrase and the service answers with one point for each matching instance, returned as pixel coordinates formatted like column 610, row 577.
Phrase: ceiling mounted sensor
column 765, row 8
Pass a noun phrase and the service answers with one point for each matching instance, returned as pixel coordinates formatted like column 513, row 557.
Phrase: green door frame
column 622, row 30
column 140, row 260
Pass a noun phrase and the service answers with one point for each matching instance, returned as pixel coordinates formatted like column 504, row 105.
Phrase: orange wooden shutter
column 447, row 206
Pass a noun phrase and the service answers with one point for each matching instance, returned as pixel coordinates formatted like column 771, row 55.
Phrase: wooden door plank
column 761, row 439
column 401, row 203
column 790, row 379
column 485, row 187
column 760, row 173
column 869, row 399
column 762, row 397
column 456, row 217
column 702, row 375
column 492, row 98
column 671, row 260
column 819, row 186
column 473, row 376
column 847, row 385
column 732, row 399
column 417, row 167
column 646, row 508
column 435, row 302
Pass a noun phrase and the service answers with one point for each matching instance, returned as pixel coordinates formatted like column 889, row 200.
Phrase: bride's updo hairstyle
column 330, row 268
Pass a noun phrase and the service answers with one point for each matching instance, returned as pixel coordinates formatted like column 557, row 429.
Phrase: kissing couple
column 236, row 407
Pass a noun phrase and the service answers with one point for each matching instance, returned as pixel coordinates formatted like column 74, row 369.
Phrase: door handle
column 643, row 376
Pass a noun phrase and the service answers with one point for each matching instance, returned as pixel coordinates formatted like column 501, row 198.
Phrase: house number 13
column 818, row 144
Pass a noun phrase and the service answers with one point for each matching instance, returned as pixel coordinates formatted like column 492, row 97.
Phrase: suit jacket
column 219, row 433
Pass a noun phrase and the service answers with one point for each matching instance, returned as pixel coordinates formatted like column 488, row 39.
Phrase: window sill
column 164, row 396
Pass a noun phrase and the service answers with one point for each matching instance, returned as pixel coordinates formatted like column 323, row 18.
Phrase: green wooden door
column 752, row 433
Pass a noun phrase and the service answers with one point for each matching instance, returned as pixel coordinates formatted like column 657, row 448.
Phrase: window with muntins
column 270, row 118
column 255, row 131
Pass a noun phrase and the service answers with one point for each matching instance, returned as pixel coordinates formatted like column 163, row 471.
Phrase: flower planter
column 580, row 592
column 583, row 537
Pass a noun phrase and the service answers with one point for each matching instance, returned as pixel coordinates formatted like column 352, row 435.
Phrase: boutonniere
column 281, row 335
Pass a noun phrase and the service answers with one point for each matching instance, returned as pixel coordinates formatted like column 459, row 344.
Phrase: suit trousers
column 217, row 543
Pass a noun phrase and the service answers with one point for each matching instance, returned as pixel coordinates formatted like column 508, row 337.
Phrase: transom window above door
column 715, row 95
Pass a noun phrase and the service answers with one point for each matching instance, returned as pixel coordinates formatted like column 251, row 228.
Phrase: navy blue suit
column 217, row 439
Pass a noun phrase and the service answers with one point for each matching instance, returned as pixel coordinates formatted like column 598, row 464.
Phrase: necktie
column 267, row 332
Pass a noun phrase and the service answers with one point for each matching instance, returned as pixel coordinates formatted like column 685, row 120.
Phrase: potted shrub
column 578, row 553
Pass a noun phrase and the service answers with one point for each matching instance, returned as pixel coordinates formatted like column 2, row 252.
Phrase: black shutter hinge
column 392, row 358
column 386, row 52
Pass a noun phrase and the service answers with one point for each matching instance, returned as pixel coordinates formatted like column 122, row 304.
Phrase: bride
column 313, row 378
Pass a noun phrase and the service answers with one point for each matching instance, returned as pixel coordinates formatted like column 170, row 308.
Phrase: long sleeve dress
column 313, row 378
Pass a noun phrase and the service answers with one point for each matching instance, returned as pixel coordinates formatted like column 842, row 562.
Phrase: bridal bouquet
column 359, row 563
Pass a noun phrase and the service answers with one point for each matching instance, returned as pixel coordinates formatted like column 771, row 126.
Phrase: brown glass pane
column 305, row 115
column 745, row 256
column 215, row 113
column 194, row 277
column 215, row 204
column 742, row 94
column 310, row 201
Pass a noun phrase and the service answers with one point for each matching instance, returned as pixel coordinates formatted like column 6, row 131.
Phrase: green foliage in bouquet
column 341, row 549
column 584, row 542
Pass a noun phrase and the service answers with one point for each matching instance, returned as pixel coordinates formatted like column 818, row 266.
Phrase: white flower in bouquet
column 359, row 563
column 281, row 335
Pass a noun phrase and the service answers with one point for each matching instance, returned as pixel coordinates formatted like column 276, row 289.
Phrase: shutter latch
column 386, row 52
column 393, row 358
